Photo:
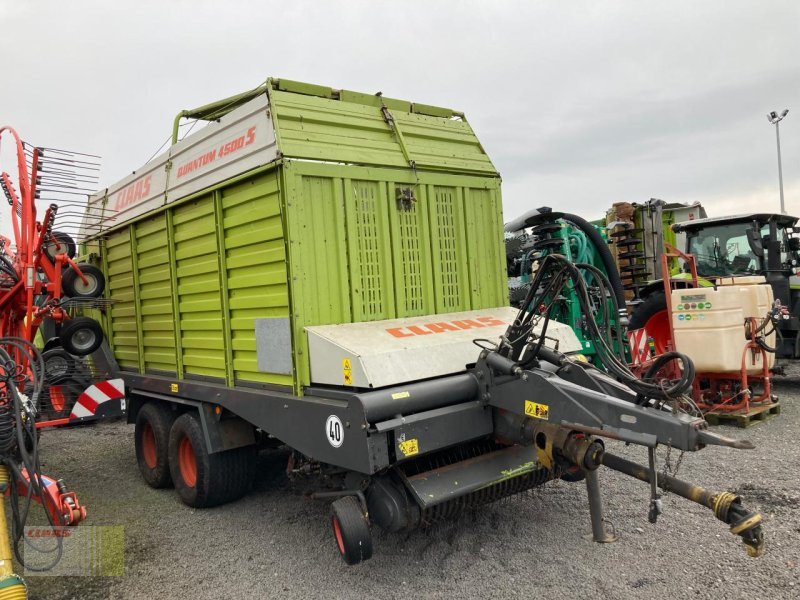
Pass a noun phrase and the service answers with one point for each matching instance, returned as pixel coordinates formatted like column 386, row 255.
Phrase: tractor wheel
column 74, row 286
column 81, row 336
column 151, row 436
column 59, row 243
column 202, row 479
column 652, row 315
column 351, row 530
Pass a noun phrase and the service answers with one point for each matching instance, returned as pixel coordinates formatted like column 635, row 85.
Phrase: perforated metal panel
column 448, row 238
column 411, row 250
column 370, row 264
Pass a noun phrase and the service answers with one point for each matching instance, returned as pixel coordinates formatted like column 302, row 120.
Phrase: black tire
column 59, row 243
column 351, row 530
column 218, row 478
column 74, row 287
column 59, row 365
column 51, row 344
column 654, row 303
column 153, row 424
column 81, row 336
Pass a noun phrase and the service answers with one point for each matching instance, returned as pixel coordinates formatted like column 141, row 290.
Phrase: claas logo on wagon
column 444, row 326
column 133, row 193
column 139, row 190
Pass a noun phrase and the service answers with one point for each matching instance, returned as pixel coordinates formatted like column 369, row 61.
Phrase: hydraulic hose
column 604, row 253
column 554, row 273
column 678, row 387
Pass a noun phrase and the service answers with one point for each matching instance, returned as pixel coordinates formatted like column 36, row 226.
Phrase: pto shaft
column 727, row 506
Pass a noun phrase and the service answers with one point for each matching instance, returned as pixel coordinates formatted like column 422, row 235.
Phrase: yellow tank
column 709, row 323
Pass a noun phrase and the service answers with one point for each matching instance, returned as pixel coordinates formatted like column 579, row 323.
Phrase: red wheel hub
column 149, row 449
column 657, row 328
column 57, row 399
column 337, row 533
column 187, row 462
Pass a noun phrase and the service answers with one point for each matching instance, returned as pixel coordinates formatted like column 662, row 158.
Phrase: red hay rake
column 39, row 268
column 39, row 279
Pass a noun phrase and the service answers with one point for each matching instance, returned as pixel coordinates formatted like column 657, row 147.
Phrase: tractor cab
column 743, row 245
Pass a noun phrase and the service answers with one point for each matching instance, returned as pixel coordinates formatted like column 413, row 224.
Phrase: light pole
column 775, row 120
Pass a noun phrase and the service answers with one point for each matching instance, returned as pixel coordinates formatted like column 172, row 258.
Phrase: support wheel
column 59, row 243
column 74, row 286
column 81, row 336
column 202, row 479
column 351, row 530
column 151, row 436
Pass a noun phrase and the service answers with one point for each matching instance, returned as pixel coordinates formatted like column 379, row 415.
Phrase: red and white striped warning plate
column 640, row 347
column 97, row 394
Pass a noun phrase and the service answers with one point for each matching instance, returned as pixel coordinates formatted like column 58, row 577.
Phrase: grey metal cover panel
column 465, row 477
column 376, row 354
column 274, row 345
column 241, row 140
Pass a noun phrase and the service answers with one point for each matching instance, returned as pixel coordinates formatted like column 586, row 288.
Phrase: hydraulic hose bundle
column 554, row 275
column 20, row 470
column 544, row 232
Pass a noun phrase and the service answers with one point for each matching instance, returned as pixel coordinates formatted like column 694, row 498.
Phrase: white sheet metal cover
column 238, row 142
column 382, row 353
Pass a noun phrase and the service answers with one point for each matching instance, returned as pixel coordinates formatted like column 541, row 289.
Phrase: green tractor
column 764, row 244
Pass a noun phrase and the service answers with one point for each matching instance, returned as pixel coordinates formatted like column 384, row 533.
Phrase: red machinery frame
column 37, row 275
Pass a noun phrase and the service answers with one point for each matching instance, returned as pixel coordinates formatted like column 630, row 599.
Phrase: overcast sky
column 579, row 104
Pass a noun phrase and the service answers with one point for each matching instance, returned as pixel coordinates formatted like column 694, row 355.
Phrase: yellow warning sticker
column 347, row 371
column 401, row 395
column 409, row 447
column 536, row 410
column 173, row 387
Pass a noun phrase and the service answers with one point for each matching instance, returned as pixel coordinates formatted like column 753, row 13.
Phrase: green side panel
column 198, row 279
column 323, row 129
column 122, row 314
column 484, row 225
column 357, row 253
column 255, row 258
column 155, row 295
column 315, row 226
column 442, row 143
column 351, row 131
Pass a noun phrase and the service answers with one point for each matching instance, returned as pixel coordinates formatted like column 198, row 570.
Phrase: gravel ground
column 276, row 543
